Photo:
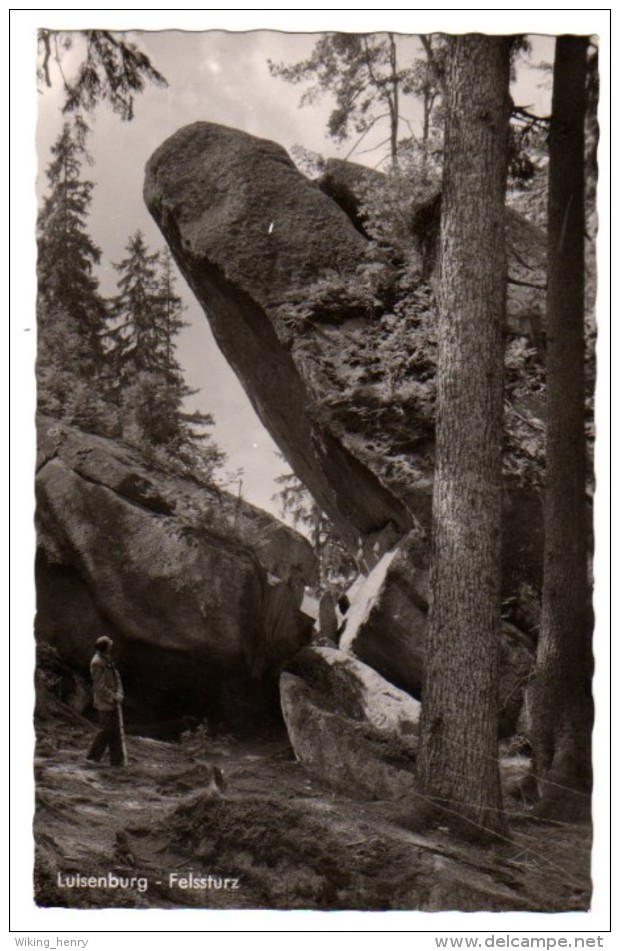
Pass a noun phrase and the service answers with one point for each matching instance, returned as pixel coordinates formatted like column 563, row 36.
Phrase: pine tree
column 190, row 442
column 457, row 760
column 562, row 705
column 71, row 312
column 337, row 568
column 132, row 339
column 145, row 379
column 428, row 84
column 111, row 70
column 169, row 321
column 362, row 72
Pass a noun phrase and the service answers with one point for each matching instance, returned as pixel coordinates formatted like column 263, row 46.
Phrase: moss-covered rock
column 348, row 725
column 183, row 576
column 329, row 335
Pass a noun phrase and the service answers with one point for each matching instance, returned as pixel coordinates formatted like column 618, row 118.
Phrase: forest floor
column 273, row 837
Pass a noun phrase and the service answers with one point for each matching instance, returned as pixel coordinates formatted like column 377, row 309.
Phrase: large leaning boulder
column 349, row 726
column 199, row 590
column 298, row 301
column 253, row 237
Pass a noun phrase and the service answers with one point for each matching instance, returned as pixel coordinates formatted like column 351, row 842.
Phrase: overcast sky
column 219, row 77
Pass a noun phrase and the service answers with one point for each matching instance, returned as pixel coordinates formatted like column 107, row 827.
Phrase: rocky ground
column 285, row 839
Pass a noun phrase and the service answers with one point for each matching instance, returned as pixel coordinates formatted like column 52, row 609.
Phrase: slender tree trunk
column 426, row 128
column 393, row 101
column 457, row 764
column 562, row 699
column 427, row 101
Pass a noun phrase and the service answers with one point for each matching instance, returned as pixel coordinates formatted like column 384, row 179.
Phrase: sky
column 221, row 77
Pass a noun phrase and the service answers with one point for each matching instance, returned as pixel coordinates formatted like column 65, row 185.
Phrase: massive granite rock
column 295, row 296
column 253, row 237
column 351, row 186
column 199, row 590
column 526, row 255
column 349, row 726
column 385, row 627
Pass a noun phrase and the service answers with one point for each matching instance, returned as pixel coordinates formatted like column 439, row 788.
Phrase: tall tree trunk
column 562, row 700
column 426, row 120
column 457, row 762
column 428, row 99
column 393, row 101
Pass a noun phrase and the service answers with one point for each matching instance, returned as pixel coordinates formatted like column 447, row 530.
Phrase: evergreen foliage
column 143, row 376
column 133, row 339
column 337, row 568
column 67, row 254
column 365, row 76
column 71, row 312
column 110, row 367
column 528, row 159
column 112, row 70
column 361, row 71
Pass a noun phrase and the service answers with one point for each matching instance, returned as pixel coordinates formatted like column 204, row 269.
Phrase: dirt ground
column 272, row 837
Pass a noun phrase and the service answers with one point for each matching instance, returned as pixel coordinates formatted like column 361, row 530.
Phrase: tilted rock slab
column 182, row 576
column 348, row 726
column 385, row 627
column 254, row 239
column 257, row 241
column 247, row 230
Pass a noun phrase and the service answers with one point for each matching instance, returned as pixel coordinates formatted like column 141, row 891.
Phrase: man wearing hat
column 107, row 700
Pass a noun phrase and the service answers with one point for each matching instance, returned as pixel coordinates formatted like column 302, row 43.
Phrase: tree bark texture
column 562, row 706
column 458, row 765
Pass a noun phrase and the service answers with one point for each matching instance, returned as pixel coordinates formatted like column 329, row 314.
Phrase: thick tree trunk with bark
column 458, row 766
column 562, row 700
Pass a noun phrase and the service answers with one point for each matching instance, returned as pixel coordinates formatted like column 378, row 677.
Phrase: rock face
column 526, row 253
column 295, row 296
column 349, row 726
column 386, row 628
column 175, row 572
column 349, row 184
column 298, row 301
column 386, row 624
column 248, row 230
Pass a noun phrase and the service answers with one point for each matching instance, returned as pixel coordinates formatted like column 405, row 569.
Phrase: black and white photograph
column 316, row 368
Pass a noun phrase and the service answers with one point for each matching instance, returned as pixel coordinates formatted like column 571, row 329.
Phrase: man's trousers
column 109, row 736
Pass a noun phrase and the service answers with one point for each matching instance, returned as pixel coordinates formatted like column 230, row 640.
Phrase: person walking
column 107, row 699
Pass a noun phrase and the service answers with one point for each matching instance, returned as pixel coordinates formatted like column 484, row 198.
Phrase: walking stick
column 121, row 733
column 121, row 723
